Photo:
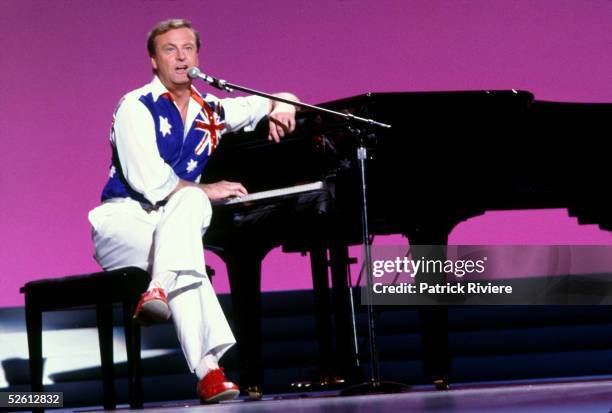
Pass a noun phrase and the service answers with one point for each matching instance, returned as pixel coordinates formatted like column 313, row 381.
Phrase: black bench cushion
column 88, row 289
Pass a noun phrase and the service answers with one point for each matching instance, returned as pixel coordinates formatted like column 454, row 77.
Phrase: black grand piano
column 449, row 156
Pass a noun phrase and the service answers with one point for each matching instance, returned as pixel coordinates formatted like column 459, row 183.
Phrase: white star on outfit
column 164, row 126
column 112, row 171
column 191, row 165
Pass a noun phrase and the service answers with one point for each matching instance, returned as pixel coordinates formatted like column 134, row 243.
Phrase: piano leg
column 434, row 342
column 244, row 272
column 433, row 319
column 346, row 352
column 322, row 309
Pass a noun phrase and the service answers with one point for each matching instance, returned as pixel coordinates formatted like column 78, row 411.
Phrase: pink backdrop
column 66, row 63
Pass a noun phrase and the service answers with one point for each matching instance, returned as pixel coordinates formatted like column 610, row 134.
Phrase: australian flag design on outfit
column 185, row 149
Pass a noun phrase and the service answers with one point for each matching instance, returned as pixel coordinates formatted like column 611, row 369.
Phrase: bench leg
column 34, row 331
column 104, row 315
column 132, row 345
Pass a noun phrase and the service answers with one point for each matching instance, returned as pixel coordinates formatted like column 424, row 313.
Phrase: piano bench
column 99, row 290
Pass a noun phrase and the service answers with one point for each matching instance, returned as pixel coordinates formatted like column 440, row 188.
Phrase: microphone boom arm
column 230, row 87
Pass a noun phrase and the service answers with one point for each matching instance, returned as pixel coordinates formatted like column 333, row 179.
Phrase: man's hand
column 214, row 191
column 281, row 117
column 223, row 189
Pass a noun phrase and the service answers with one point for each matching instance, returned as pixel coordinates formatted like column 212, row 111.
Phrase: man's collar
column 158, row 89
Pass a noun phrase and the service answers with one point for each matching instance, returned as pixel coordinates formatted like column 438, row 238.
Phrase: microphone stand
column 374, row 384
column 231, row 87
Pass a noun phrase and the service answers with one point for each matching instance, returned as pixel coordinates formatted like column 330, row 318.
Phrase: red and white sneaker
column 215, row 387
column 152, row 307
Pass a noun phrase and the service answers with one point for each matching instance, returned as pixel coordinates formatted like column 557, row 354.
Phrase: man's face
column 175, row 53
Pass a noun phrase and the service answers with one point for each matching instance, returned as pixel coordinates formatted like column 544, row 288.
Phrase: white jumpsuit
column 169, row 237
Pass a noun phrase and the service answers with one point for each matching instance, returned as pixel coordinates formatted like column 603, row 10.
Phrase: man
column 154, row 211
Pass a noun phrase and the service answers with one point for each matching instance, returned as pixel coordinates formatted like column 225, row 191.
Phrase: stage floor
column 559, row 396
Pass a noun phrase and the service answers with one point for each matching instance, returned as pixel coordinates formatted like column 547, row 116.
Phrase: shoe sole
column 154, row 311
column 223, row 396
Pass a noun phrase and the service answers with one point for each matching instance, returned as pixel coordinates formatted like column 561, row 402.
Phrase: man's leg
column 177, row 247
column 123, row 235
column 201, row 326
column 178, row 238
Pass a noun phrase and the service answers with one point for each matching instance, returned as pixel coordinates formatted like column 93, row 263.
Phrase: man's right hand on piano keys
column 217, row 190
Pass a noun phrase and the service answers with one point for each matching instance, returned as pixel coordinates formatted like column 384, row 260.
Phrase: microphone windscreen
column 193, row 73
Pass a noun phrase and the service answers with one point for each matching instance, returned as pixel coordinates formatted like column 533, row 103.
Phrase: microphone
column 195, row 73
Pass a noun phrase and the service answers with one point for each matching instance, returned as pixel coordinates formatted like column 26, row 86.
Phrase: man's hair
column 166, row 26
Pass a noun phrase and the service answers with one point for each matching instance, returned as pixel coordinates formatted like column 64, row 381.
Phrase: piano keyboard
column 274, row 193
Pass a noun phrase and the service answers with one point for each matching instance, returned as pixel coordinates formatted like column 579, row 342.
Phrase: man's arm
column 214, row 191
column 245, row 112
column 143, row 168
column 281, row 117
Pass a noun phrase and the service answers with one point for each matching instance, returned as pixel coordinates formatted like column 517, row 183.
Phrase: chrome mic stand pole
column 362, row 155
column 374, row 385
